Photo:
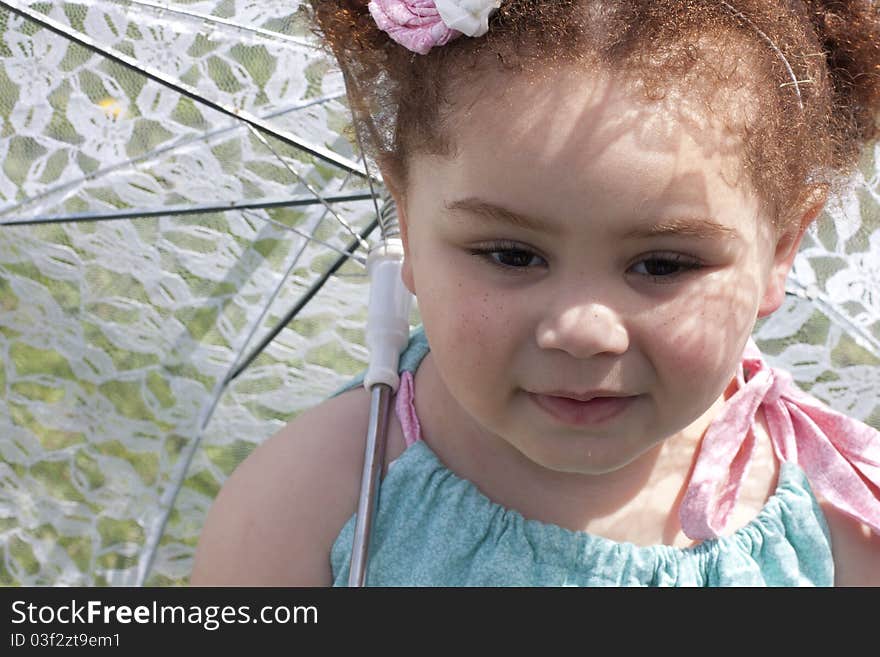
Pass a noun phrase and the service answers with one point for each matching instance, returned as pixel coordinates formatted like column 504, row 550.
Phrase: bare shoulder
column 277, row 515
column 856, row 550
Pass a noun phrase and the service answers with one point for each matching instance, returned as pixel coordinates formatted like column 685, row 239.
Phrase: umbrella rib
column 858, row 333
column 171, row 493
column 382, row 224
column 291, row 315
column 225, row 22
column 305, row 184
column 271, row 300
column 157, row 76
column 180, row 143
column 278, row 288
column 309, row 238
column 181, row 210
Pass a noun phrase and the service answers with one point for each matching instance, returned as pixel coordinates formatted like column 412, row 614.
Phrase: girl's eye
column 509, row 256
column 665, row 266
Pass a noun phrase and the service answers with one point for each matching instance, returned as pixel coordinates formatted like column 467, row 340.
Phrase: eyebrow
column 703, row 229
column 499, row 214
column 697, row 228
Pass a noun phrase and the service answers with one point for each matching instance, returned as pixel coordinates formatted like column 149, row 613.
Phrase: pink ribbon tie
column 840, row 455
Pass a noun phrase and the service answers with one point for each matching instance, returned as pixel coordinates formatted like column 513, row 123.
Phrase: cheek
column 699, row 337
column 456, row 297
column 468, row 327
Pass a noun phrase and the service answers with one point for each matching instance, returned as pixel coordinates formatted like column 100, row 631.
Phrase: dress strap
column 405, row 408
column 840, row 455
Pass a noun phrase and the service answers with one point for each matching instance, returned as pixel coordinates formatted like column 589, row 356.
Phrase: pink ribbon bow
column 840, row 455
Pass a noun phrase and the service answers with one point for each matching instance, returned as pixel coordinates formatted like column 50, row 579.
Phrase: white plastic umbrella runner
column 176, row 179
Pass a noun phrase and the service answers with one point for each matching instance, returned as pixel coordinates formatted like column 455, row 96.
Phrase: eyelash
column 682, row 262
column 495, row 248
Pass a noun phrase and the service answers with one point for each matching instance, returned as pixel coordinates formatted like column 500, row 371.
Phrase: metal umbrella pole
column 387, row 335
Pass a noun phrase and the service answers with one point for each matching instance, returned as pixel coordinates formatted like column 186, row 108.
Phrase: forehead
column 579, row 134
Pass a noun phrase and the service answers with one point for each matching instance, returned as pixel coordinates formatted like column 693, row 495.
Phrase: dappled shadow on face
column 580, row 126
column 584, row 143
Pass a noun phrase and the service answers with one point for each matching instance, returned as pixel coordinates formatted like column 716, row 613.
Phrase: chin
column 585, row 462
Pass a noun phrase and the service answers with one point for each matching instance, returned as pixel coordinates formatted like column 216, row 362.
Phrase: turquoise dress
column 433, row 528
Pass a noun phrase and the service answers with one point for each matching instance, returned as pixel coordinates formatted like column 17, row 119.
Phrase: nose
column 584, row 330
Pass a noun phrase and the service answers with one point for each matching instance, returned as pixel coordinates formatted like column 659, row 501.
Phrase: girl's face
column 588, row 268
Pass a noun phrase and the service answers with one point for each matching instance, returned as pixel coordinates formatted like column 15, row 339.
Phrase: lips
column 582, row 409
column 582, row 397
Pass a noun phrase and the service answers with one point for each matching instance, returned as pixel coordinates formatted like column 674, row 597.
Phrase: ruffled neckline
column 791, row 486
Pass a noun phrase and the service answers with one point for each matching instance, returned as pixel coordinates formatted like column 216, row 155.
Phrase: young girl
column 598, row 199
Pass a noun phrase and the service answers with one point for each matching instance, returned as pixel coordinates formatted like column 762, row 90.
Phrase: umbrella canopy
column 176, row 177
column 121, row 323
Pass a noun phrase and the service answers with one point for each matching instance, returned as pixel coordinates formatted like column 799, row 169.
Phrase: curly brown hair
column 796, row 137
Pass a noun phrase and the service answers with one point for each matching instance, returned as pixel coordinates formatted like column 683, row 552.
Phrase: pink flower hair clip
column 419, row 25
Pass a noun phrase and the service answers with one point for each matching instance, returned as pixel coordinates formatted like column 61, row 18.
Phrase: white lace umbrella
column 196, row 156
column 162, row 165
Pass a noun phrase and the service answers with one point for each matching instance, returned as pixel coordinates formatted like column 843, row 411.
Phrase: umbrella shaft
column 374, row 458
